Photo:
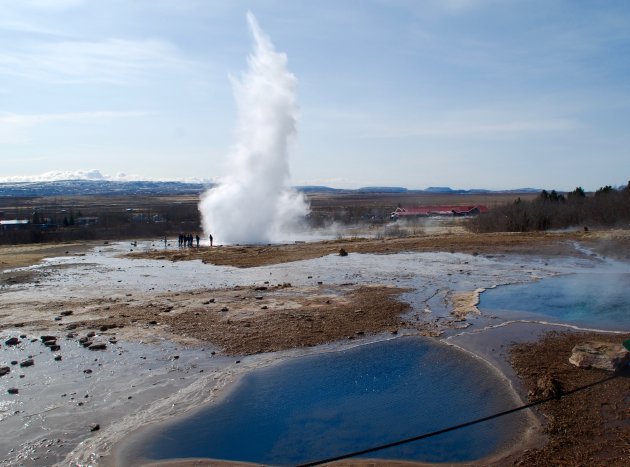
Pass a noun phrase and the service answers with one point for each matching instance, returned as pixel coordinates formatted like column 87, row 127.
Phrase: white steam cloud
column 254, row 204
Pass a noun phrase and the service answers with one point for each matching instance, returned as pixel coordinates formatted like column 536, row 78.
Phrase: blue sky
column 462, row 93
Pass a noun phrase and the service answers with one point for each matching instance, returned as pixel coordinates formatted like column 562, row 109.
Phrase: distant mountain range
column 99, row 187
column 109, row 187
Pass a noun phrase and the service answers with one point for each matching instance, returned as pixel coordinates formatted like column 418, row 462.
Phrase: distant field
column 128, row 216
column 392, row 200
column 18, row 207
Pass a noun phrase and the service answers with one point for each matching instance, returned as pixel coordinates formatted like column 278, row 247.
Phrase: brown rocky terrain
column 590, row 427
column 239, row 321
column 537, row 243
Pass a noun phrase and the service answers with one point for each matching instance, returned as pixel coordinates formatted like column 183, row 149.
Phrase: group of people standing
column 187, row 240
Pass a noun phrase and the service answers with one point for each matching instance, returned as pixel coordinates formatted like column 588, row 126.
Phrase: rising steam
column 254, row 204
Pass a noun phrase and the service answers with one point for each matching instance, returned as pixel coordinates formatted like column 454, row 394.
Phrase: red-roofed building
column 427, row 211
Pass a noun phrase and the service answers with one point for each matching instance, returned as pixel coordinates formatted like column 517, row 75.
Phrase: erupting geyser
column 254, row 204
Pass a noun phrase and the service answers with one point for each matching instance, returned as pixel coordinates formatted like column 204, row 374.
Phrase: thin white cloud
column 92, row 174
column 461, row 5
column 14, row 127
column 35, row 119
column 458, row 129
column 50, row 4
column 117, row 61
column 443, row 6
column 457, row 124
column 28, row 27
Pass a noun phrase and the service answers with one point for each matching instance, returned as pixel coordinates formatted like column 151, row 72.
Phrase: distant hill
column 439, row 189
column 318, row 189
column 98, row 187
column 109, row 187
column 382, row 189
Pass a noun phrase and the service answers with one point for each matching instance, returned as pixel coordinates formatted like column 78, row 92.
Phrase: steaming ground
column 186, row 329
column 253, row 203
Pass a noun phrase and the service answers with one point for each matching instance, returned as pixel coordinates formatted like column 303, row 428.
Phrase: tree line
column 607, row 207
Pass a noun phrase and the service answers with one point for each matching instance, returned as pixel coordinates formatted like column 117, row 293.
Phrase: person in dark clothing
column 197, row 238
column 210, row 237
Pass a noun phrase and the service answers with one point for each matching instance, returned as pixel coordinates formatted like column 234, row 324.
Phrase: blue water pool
column 325, row 405
column 593, row 299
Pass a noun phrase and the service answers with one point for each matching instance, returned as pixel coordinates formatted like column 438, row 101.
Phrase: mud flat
column 179, row 327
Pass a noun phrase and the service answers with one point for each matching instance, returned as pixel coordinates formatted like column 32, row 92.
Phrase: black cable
column 454, row 427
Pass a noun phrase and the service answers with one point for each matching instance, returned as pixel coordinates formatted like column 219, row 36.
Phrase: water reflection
column 599, row 300
column 324, row 405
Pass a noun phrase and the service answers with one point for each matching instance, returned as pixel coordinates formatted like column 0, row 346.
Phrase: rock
column 547, row 386
column 258, row 297
column 4, row 370
column 95, row 427
column 343, row 252
column 602, row 355
column 14, row 362
column 87, row 371
column 57, row 358
column 225, row 309
column 90, row 334
column 153, row 322
column 261, row 288
column 66, row 313
column 54, row 348
column 98, row 346
column 13, row 390
column 50, row 343
column 45, row 339
column 28, row 362
column 12, row 341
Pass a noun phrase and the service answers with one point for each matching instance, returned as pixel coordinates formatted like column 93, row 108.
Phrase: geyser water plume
column 254, row 204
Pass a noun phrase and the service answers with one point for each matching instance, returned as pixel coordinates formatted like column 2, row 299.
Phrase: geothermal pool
column 599, row 299
column 408, row 387
column 325, row 405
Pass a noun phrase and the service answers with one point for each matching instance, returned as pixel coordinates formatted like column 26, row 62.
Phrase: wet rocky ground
column 139, row 340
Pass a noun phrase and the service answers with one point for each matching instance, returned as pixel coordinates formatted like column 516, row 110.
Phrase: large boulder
column 602, row 355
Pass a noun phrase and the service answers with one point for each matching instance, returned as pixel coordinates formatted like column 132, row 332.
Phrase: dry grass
column 540, row 244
